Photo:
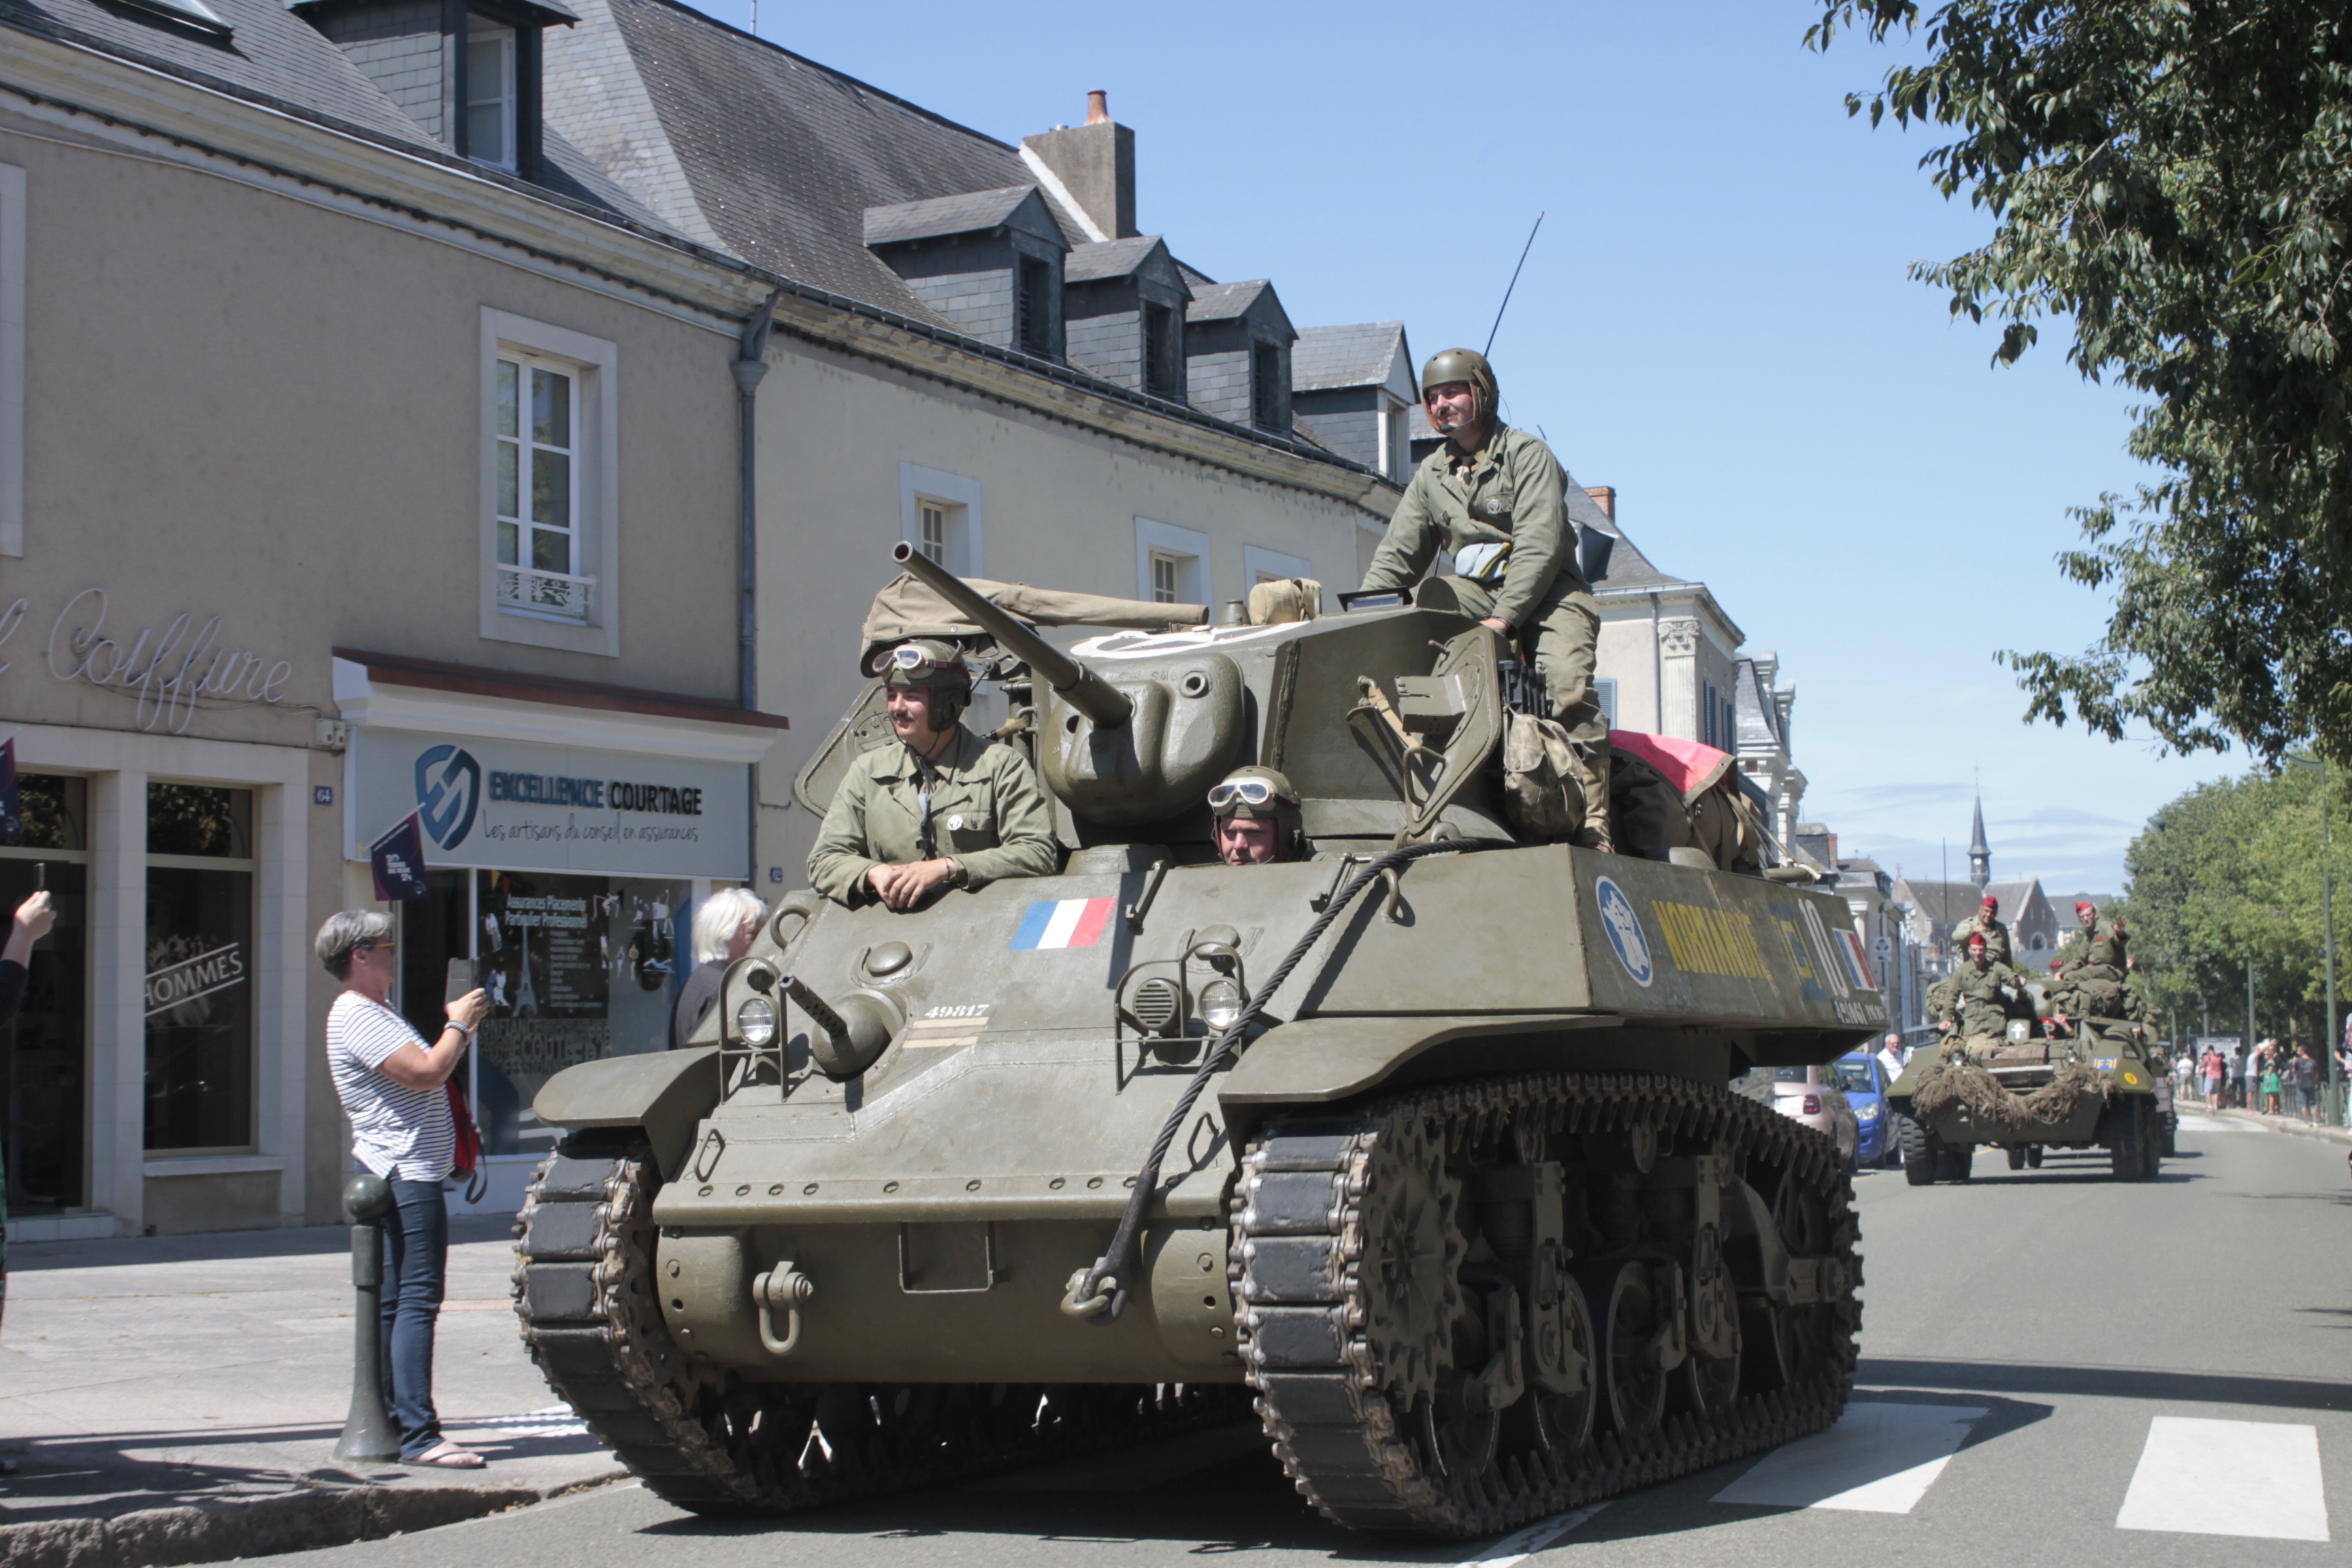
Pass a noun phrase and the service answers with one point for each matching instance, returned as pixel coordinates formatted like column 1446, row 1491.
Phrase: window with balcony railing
column 537, row 496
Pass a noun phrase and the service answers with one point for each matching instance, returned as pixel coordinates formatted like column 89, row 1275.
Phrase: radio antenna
column 1506, row 305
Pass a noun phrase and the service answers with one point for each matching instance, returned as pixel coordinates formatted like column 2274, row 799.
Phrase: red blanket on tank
column 1690, row 767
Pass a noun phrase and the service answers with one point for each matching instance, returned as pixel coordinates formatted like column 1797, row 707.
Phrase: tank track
column 1320, row 1377
column 713, row 1442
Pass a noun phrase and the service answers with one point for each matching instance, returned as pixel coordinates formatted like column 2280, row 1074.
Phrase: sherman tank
column 2025, row 1093
column 1418, row 1147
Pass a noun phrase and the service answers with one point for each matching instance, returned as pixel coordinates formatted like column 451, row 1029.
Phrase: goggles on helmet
column 1249, row 792
column 907, row 657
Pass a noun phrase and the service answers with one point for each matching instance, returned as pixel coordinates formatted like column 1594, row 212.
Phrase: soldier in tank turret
column 944, row 807
column 1254, row 817
column 1986, row 920
column 1495, row 497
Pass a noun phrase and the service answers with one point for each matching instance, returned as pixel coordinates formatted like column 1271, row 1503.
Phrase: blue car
column 1864, row 1078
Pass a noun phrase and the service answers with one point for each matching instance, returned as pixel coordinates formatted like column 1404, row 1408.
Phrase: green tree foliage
column 2175, row 180
column 2231, row 871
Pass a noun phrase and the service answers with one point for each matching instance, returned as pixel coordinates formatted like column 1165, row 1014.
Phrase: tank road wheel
column 710, row 1440
column 1797, row 1340
column 1427, row 1360
column 1631, row 1334
column 2017, row 1156
column 1918, row 1159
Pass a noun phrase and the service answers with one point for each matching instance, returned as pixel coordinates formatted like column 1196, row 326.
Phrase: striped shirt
column 397, row 1131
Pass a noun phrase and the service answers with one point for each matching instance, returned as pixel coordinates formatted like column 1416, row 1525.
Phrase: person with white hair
column 724, row 927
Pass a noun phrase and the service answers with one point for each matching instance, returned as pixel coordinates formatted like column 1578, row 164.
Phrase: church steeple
column 1979, row 852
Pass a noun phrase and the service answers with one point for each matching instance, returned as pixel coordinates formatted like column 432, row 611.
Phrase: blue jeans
column 416, row 1271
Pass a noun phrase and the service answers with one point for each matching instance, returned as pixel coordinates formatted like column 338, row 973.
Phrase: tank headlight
column 755, row 1021
column 1219, row 1005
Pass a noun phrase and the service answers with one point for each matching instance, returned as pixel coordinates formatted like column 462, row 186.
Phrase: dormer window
column 468, row 74
column 1160, row 358
column 1036, row 327
column 490, row 93
column 988, row 263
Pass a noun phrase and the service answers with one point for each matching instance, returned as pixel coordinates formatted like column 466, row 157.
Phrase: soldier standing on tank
column 1254, row 817
column 1986, row 920
column 1495, row 497
column 943, row 808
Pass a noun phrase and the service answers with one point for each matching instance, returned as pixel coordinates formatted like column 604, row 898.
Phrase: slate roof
column 1097, row 260
column 275, row 56
column 1757, row 716
column 937, row 217
column 774, row 156
column 1224, row 302
column 1363, row 354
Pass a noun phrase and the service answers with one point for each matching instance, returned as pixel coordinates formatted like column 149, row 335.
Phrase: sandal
column 447, row 1456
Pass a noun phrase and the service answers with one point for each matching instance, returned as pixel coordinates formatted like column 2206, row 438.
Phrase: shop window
column 49, row 1046
column 199, row 1001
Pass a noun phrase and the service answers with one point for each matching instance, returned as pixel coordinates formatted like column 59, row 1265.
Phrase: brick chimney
column 1094, row 164
column 1605, row 498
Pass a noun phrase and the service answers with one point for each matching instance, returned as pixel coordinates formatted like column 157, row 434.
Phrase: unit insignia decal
column 1624, row 928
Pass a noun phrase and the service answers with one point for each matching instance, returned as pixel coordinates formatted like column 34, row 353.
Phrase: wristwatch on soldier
column 957, row 876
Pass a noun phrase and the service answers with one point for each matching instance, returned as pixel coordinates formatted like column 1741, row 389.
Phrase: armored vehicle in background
column 1422, row 1139
column 2026, row 1094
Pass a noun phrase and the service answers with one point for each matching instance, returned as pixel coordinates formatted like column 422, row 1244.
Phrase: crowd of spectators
column 2269, row 1077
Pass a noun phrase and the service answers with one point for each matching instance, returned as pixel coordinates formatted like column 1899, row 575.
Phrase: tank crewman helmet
column 934, row 666
column 1256, row 794
column 1463, row 364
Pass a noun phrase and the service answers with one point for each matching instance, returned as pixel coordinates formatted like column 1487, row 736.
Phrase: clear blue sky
column 1717, row 320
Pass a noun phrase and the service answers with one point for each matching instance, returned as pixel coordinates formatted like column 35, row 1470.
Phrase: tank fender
column 667, row 1093
column 1315, row 1061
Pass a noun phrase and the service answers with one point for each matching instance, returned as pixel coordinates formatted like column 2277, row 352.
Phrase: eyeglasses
column 1250, row 791
column 377, row 947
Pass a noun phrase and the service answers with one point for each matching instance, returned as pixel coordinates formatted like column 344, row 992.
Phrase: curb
column 2274, row 1123
column 295, row 1522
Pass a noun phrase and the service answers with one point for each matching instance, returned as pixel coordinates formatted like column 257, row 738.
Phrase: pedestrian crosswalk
column 2257, row 1479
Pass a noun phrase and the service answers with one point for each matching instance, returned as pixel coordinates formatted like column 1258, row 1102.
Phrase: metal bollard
column 369, row 1437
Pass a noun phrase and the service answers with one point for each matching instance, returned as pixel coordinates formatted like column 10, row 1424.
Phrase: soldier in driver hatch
column 1254, row 817
column 1494, row 496
column 942, row 808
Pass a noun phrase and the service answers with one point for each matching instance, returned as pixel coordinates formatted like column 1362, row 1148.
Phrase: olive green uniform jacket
column 1996, row 937
column 987, row 814
column 1513, row 491
column 1979, row 999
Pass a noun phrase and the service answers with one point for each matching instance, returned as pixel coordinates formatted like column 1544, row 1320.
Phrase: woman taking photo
column 390, row 1079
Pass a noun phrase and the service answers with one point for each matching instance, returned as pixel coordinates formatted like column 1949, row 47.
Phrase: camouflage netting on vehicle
column 1956, row 1081
column 907, row 607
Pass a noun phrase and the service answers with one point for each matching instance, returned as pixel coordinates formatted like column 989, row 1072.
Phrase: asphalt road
column 2056, row 1368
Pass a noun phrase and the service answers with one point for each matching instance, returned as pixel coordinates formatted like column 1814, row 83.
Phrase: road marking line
column 2199, row 1477
column 1878, row 1459
column 1520, row 1545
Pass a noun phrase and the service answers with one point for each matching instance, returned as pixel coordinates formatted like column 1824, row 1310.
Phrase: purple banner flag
column 398, row 858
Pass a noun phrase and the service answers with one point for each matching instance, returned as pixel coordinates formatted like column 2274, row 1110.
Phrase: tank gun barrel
column 1081, row 687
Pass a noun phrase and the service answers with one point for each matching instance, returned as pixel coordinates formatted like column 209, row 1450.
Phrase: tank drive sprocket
column 1353, row 1234
column 712, row 1441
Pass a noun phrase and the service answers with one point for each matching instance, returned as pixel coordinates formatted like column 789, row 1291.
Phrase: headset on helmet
column 931, row 665
column 1465, row 365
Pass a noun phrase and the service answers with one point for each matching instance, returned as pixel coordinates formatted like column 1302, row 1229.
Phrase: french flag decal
column 1849, row 949
column 1062, row 922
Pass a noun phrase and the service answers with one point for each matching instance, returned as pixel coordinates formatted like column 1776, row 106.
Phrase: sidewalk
column 2292, row 1126
column 175, row 1399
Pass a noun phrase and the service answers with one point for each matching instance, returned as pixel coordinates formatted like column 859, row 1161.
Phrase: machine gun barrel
column 1080, row 687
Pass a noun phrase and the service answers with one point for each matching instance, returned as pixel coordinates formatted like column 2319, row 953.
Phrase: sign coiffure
column 508, row 805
